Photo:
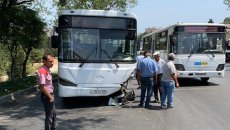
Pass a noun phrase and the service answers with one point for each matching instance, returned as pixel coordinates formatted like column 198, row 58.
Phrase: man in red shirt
column 47, row 96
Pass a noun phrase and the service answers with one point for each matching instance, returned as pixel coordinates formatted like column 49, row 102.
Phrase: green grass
column 20, row 84
column 8, row 87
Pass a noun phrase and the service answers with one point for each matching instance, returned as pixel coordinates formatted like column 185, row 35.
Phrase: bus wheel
column 204, row 80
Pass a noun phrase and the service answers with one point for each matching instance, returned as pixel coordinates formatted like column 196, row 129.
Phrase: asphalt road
column 197, row 107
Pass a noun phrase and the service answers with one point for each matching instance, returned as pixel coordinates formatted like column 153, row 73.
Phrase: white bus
column 96, row 51
column 199, row 48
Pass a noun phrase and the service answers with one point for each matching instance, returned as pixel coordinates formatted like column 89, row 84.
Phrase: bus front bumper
column 201, row 74
column 88, row 90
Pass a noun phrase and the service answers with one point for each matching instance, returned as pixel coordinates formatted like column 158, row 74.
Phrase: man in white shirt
column 157, row 86
column 168, row 82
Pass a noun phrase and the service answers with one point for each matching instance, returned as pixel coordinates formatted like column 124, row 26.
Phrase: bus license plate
column 200, row 73
column 98, row 91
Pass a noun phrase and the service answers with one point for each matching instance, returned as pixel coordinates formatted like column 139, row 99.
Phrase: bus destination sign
column 201, row 29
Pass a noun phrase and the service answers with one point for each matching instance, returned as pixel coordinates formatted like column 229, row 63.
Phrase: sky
column 163, row 13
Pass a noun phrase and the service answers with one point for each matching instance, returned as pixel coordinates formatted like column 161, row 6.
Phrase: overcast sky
column 162, row 13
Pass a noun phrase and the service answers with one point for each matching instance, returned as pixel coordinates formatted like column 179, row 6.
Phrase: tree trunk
column 13, row 55
column 25, row 61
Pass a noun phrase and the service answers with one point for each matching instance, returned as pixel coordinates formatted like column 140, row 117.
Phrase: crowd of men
column 155, row 75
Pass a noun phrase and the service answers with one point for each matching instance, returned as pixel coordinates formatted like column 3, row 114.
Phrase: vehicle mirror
column 54, row 41
column 173, row 39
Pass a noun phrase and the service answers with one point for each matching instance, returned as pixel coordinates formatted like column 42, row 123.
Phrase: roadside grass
column 9, row 87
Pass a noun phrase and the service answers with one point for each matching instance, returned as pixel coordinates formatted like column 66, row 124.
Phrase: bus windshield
column 198, row 43
column 96, row 45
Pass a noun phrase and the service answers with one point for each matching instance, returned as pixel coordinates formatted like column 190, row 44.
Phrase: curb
column 17, row 95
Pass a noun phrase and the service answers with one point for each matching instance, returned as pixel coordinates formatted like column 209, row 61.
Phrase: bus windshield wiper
column 192, row 51
column 209, row 51
column 110, row 58
column 78, row 56
column 88, row 56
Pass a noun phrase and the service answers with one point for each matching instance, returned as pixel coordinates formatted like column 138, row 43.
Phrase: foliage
column 227, row 2
column 20, row 27
column 121, row 5
column 15, row 68
column 19, row 84
column 11, row 34
column 45, row 8
column 227, row 20
column 33, row 34
column 36, row 55
column 48, row 48
column 4, row 4
column 8, row 87
column 32, row 68
column 4, row 60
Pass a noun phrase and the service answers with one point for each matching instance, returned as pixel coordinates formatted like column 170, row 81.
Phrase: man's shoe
column 155, row 101
column 171, row 106
column 148, row 106
column 140, row 105
column 163, row 107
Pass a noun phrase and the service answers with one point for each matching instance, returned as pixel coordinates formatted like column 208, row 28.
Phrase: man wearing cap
column 147, row 69
column 157, row 86
column 168, row 82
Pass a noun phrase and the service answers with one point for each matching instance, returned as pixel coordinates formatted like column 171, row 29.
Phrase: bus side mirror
column 172, row 39
column 54, row 41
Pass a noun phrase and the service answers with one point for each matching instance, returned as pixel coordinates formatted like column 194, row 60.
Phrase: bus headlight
column 220, row 67
column 66, row 83
column 179, row 67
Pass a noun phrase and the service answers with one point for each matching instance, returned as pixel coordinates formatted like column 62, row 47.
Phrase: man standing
column 146, row 69
column 157, row 86
column 138, row 59
column 47, row 95
column 169, row 81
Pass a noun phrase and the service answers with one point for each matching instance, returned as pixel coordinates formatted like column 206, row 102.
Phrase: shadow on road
column 81, row 102
column 194, row 82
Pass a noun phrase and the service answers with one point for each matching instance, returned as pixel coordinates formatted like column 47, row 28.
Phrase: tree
column 32, row 34
column 5, row 4
column 227, row 20
column 121, row 5
column 227, row 2
column 4, row 64
column 9, row 33
column 21, row 29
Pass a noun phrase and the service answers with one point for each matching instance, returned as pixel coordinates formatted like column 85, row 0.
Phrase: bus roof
column 199, row 24
column 104, row 13
column 184, row 24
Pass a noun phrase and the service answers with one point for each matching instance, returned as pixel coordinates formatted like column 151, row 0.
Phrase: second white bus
column 199, row 48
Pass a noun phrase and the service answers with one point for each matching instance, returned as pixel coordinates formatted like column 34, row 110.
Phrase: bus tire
column 204, row 80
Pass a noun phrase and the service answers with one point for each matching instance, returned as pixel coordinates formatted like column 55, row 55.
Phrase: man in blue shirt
column 147, row 69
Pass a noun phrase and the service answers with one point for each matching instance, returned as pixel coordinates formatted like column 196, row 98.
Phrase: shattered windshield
column 198, row 43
